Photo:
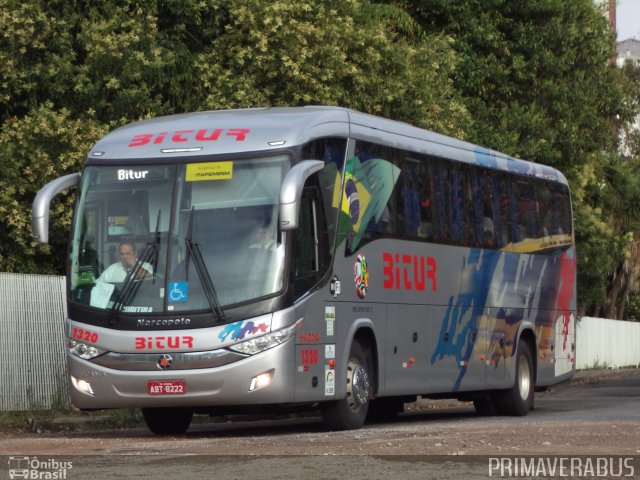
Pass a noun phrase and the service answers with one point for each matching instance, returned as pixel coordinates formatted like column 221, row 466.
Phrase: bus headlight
column 82, row 350
column 265, row 342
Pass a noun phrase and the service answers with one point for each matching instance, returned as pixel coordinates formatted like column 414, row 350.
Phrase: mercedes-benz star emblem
column 165, row 362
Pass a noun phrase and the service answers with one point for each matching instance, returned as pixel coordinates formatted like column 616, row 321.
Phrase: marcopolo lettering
column 163, row 322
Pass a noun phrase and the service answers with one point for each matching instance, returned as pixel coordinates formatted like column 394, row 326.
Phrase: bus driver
column 117, row 272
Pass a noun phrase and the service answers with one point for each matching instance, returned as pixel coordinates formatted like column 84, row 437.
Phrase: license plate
column 167, row 387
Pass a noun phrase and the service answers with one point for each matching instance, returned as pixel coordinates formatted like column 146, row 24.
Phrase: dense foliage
column 71, row 71
column 538, row 83
column 531, row 78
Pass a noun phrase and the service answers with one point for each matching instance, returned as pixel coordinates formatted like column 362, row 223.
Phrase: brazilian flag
column 365, row 192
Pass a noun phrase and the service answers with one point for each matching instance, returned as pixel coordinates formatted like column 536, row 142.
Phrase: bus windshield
column 189, row 237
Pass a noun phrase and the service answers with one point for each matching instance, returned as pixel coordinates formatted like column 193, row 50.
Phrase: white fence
column 32, row 357
column 607, row 343
column 33, row 364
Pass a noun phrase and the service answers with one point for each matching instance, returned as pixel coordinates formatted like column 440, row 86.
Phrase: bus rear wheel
column 350, row 412
column 518, row 400
column 167, row 421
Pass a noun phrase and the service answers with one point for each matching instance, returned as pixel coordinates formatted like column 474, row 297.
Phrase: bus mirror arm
column 42, row 202
column 291, row 192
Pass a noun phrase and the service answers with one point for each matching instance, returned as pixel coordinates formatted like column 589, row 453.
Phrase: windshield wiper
column 150, row 254
column 155, row 245
column 194, row 253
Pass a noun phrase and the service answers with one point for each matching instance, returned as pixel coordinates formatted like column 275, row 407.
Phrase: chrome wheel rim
column 524, row 379
column 357, row 385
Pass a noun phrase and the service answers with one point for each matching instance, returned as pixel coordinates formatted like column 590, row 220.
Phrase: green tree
column 72, row 70
column 535, row 74
column 121, row 60
column 611, row 237
column 537, row 81
column 44, row 144
column 625, row 185
column 630, row 130
column 336, row 53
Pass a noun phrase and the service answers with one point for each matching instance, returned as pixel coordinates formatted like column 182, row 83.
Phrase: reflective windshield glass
column 229, row 212
column 120, row 232
column 201, row 236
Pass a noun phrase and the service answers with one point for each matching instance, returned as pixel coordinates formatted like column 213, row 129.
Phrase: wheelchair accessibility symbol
column 178, row 291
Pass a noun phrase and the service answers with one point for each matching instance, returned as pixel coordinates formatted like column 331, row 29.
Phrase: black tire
column 167, row 421
column 518, row 400
column 350, row 412
column 384, row 409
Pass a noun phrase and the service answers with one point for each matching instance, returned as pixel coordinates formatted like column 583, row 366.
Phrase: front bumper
column 223, row 385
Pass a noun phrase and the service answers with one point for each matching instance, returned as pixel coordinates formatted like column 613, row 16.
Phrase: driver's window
column 310, row 256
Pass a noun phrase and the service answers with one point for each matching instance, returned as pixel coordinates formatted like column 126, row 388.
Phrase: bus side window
column 483, row 202
column 471, row 237
column 427, row 203
column 500, row 207
column 440, row 190
column 390, row 224
column 560, row 216
column 513, row 212
column 329, row 150
column 458, row 215
column 543, row 194
column 528, row 209
column 311, row 243
column 410, row 196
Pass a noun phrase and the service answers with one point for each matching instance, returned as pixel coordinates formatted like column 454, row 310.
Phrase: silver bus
column 313, row 257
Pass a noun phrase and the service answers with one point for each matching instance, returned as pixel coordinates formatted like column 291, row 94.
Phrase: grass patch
column 597, row 366
column 44, row 421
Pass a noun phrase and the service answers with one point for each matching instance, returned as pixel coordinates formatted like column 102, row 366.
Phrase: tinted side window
column 449, row 202
column 383, row 180
column 311, row 256
column 559, row 214
column 329, row 150
column 528, row 211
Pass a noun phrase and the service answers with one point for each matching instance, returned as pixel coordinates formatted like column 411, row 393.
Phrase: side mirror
column 40, row 212
column 291, row 192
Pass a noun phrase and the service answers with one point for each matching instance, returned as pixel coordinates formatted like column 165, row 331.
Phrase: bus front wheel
column 350, row 412
column 518, row 400
column 167, row 421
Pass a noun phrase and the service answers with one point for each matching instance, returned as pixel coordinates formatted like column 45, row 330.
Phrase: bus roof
column 184, row 136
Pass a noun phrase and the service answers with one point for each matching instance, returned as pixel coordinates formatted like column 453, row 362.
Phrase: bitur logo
column 409, row 272
column 163, row 342
column 179, row 136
